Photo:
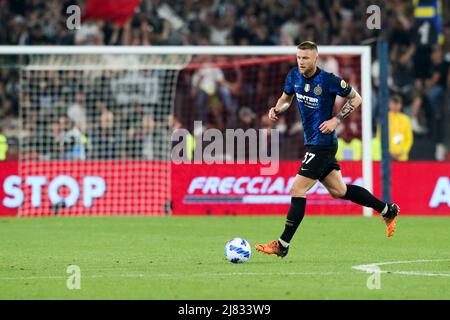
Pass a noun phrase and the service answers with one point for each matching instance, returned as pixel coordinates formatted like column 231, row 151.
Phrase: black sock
column 294, row 218
column 364, row 198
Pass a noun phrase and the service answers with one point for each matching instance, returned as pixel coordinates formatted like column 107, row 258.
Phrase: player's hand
column 329, row 126
column 273, row 114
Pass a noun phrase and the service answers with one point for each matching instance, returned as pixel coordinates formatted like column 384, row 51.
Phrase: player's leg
column 296, row 211
column 295, row 216
column 338, row 189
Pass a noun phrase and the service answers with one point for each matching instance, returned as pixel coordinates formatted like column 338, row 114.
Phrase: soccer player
column 316, row 92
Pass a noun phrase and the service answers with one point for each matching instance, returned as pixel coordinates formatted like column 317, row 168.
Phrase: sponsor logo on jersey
column 318, row 90
column 308, row 101
column 343, row 84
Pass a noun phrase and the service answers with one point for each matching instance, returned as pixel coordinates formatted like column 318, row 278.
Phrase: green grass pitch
column 182, row 258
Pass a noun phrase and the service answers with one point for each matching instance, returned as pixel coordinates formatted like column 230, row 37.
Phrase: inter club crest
column 318, row 90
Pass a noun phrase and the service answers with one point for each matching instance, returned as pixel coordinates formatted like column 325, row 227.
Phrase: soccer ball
column 238, row 250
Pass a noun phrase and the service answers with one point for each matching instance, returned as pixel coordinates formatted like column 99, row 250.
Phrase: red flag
column 113, row 10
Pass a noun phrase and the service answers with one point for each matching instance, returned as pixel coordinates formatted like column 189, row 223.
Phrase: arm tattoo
column 348, row 107
column 346, row 110
column 352, row 94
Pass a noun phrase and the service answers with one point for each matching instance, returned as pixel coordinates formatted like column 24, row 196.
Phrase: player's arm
column 283, row 103
column 353, row 102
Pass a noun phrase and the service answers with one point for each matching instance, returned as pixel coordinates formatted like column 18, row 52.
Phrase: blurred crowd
column 200, row 22
column 419, row 63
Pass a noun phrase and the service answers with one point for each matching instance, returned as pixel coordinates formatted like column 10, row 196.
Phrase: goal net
column 96, row 133
column 96, row 123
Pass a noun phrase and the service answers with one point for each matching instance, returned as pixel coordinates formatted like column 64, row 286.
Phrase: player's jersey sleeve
column 338, row 86
column 289, row 85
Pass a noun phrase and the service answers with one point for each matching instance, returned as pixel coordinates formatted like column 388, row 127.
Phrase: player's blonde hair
column 308, row 45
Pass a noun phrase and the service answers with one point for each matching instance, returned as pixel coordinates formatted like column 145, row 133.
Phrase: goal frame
column 363, row 51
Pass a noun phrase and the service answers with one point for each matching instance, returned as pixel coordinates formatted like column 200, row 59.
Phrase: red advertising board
column 242, row 189
column 84, row 188
column 7, row 169
column 420, row 188
column 142, row 187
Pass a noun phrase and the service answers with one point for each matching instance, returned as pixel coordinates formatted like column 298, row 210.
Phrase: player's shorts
column 318, row 162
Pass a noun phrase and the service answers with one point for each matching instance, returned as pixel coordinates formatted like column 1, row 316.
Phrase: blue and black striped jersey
column 315, row 99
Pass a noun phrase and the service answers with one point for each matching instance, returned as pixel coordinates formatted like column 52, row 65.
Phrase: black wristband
column 340, row 117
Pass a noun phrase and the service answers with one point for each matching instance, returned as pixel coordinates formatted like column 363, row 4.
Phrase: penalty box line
column 375, row 268
column 368, row 268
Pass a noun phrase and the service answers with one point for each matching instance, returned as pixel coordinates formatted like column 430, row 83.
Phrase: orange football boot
column 273, row 247
column 389, row 219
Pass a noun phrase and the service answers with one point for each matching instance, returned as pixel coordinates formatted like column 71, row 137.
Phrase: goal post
column 64, row 60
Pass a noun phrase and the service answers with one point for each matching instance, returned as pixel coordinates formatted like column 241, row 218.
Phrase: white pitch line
column 374, row 268
column 371, row 268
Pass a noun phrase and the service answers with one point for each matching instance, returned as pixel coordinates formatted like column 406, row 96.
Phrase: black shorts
column 319, row 162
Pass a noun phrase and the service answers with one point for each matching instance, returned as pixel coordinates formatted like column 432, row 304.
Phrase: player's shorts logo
column 343, row 84
column 307, row 87
column 318, row 90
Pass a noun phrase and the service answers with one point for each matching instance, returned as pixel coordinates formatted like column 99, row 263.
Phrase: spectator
column 246, row 118
column 403, row 80
column 77, row 112
column 400, row 131
column 148, row 138
column 349, row 147
column 90, row 34
column 290, row 30
column 6, row 102
column 71, row 141
column 189, row 139
column 3, row 145
column 105, row 141
column 221, row 30
column 53, row 138
column 207, row 82
column 37, row 35
column 436, row 88
column 136, row 125
column 139, row 135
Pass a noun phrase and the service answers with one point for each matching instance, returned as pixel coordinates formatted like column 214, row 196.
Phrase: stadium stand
column 253, row 22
